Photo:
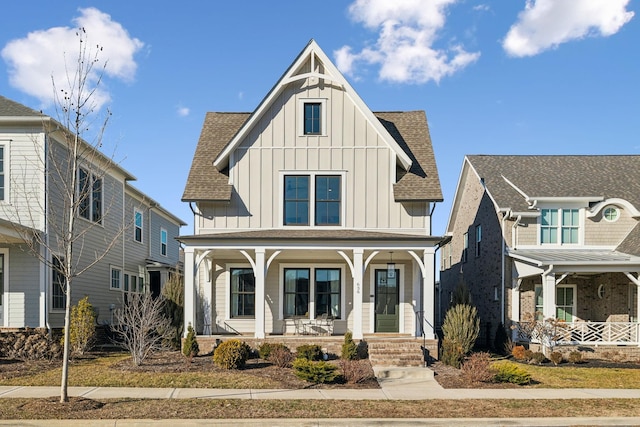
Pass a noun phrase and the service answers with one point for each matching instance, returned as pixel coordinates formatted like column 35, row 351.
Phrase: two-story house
column 139, row 236
column 549, row 237
column 312, row 207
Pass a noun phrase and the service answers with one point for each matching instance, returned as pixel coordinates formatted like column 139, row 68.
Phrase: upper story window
column 478, row 239
column 116, row 276
column 559, row 226
column 2, row 172
column 89, row 196
column 611, row 214
column 312, row 113
column 324, row 190
column 163, row 241
column 465, row 248
column 137, row 225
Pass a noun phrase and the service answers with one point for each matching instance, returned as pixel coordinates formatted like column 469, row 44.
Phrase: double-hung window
column 565, row 303
column 116, row 277
column 243, row 292
column 89, row 196
column 560, row 226
column 325, row 192
column 163, row 242
column 58, row 284
column 320, row 286
column 137, row 225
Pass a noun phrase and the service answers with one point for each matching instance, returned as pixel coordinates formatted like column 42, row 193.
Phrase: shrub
column 538, row 358
column 315, row 372
column 461, row 326
column 355, row 371
column 231, row 354
column 509, row 372
column 555, row 357
column 477, row 368
column 528, row 355
column 452, row 353
column 362, row 350
column 173, row 308
column 575, row 357
column 190, row 347
column 349, row 348
column 82, row 329
column 280, row 356
column 310, row 352
column 518, row 352
column 265, row 349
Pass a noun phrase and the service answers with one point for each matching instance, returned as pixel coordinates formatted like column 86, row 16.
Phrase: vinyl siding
column 22, row 299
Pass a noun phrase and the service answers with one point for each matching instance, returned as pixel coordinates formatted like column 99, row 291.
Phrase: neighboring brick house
column 548, row 237
column 32, row 294
column 301, row 206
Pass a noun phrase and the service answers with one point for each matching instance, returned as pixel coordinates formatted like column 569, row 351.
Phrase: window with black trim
column 324, row 190
column 89, row 196
column 312, row 118
column 327, row 292
column 296, row 200
column 243, row 292
column 137, row 225
column 296, row 292
column 58, row 284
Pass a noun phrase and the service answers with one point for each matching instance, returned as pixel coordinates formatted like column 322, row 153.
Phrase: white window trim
column 312, row 198
column 478, row 239
column 111, row 268
column 323, row 115
column 4, row 312
column 227, row 303
column 559, row 243
column 617, row 210
column 166, row 233
column 5, row 172
column 136, row 211
column 372, row 295
column 312, row 287
column 92, row 176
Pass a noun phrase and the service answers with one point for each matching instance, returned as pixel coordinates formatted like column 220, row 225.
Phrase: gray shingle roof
column 574, row 256
column 409, row 129
column 14, row 109
column 558, row 176
column 631, row 244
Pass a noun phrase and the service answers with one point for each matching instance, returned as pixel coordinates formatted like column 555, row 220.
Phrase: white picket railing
column 581, row 333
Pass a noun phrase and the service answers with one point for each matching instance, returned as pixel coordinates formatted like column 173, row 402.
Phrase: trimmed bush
column 555, row 357
column 528, row 355
column 82, row 329
column 190, row 347
column 281, row 356
column 575, row 357
column 509, row 372
column 265, row 349
column 314, row 372
column 538, row 358
column 312, row 352
column 477, row 368
column 231, row 354
column 349, row 347
column 518, row 352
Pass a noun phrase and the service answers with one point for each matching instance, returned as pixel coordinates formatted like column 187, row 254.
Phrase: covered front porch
column 285, row 283
column 575, row 298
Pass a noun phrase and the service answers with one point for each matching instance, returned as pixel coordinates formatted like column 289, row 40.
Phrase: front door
column 387, row 316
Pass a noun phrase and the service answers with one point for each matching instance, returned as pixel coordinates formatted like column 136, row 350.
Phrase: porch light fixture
column 391, row 267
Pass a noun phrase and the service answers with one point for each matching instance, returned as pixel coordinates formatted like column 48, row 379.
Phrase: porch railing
column 580, row 333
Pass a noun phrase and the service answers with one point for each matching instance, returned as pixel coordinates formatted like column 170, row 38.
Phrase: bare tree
column 141, row 327
column 74, row 170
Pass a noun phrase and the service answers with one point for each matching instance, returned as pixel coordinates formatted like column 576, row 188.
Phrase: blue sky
column 507, row 77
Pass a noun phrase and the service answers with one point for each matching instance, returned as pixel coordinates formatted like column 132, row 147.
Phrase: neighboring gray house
column 31, row 294
column 549, row 237
column 312, row 207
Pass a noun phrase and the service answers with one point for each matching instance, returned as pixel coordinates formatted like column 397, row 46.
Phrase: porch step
column 410, row 373
column 397, row 352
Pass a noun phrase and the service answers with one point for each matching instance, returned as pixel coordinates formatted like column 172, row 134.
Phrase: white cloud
column 545, row 24
column 482, row 8
column 33, row 61
column 404, row 50
column 183, row 111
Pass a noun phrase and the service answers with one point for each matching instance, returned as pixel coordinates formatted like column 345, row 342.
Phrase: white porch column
column 429, row 301
column 260, row 272
column 189, row 289
column 515, row 306
column 358, row 273
column 549, row 296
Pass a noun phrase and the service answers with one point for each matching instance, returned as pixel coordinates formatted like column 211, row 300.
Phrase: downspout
column 504, row 267
column 46, row 233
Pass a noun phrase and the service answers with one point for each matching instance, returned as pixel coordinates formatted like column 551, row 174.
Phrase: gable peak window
column 312, row 117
